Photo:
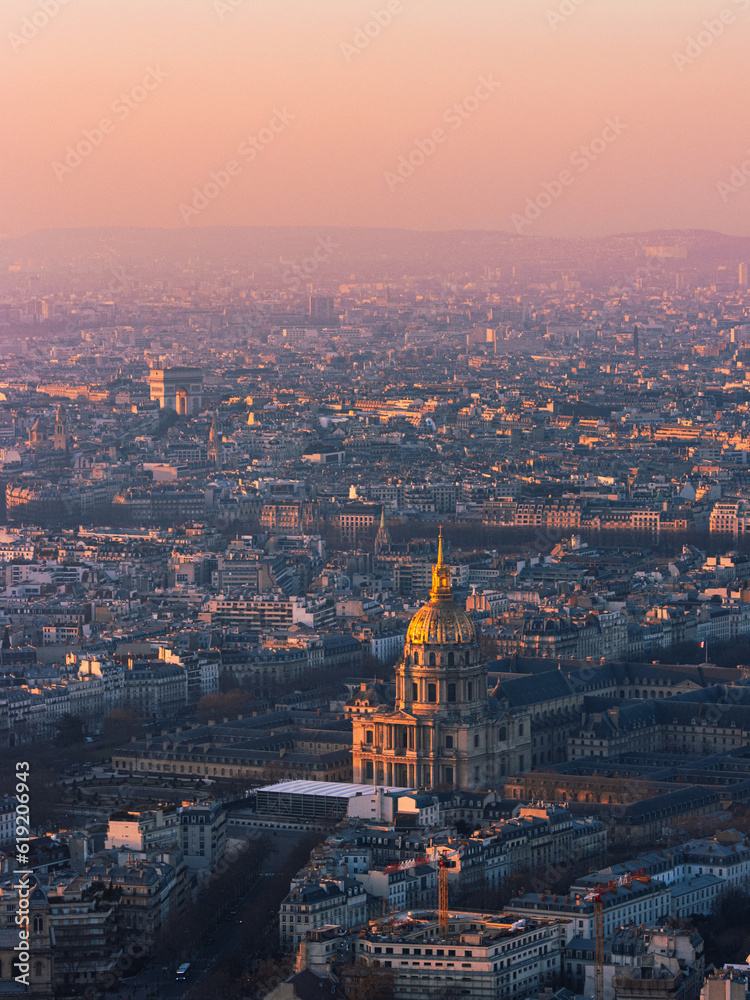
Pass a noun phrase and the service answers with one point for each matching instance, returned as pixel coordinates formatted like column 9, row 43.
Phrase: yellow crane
column 443, row 896
column 597, row 897
column 443, row 889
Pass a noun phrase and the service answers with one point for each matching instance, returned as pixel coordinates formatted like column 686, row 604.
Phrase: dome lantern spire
column 441, row 576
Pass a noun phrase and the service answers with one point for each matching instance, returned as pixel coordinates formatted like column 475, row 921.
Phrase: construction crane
column 443, row 896
column 443, row 889
column 599, row 947
column 598, row 901
column 597, row 896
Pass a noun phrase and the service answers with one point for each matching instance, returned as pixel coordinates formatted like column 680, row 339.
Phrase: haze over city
column 187, row 84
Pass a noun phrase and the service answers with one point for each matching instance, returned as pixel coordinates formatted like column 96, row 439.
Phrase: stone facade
column 443, row 730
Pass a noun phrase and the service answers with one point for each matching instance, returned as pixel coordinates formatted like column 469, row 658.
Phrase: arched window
column 450, row 659
column 503, row 734
column 469, row 691
column 38, row 924
column 432, row 659
column 466, row 659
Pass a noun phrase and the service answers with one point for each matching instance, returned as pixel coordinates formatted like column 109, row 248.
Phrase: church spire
column 383, row 537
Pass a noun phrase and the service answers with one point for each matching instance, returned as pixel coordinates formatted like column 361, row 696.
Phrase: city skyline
column 375, row 500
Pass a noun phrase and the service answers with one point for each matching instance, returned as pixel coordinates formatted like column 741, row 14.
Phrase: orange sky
column 276, row 112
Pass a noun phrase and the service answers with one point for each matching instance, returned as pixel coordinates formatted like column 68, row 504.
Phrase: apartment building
column 484, row 956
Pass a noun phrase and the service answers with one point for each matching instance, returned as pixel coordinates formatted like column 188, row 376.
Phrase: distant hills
column 370, row 253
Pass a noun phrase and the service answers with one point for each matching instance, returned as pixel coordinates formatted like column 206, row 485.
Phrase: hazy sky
column 446, row 114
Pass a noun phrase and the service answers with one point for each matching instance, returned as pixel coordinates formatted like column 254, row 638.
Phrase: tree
column 224, row 704
column 69, row 730
column 365, row 982
column 120, row 725
column 725, row 929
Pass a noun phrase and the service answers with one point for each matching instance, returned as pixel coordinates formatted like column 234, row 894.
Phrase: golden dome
column 441, row 621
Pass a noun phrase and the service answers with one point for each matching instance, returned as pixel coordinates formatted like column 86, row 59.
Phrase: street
column 231, row 936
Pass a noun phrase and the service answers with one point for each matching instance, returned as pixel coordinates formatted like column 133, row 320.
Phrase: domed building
column 444, row 730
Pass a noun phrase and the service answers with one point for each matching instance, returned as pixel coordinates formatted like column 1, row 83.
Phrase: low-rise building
column 481, row 955
column 311, row 905
column 203, row 834
column 643, row 901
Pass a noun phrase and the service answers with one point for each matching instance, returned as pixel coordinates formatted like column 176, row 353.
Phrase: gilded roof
column 441, row 621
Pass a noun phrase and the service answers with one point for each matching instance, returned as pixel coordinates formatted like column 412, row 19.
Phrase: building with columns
column 177, row 389
column 444, row 731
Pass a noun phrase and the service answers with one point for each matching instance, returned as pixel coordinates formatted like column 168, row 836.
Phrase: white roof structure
column 329, row 789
